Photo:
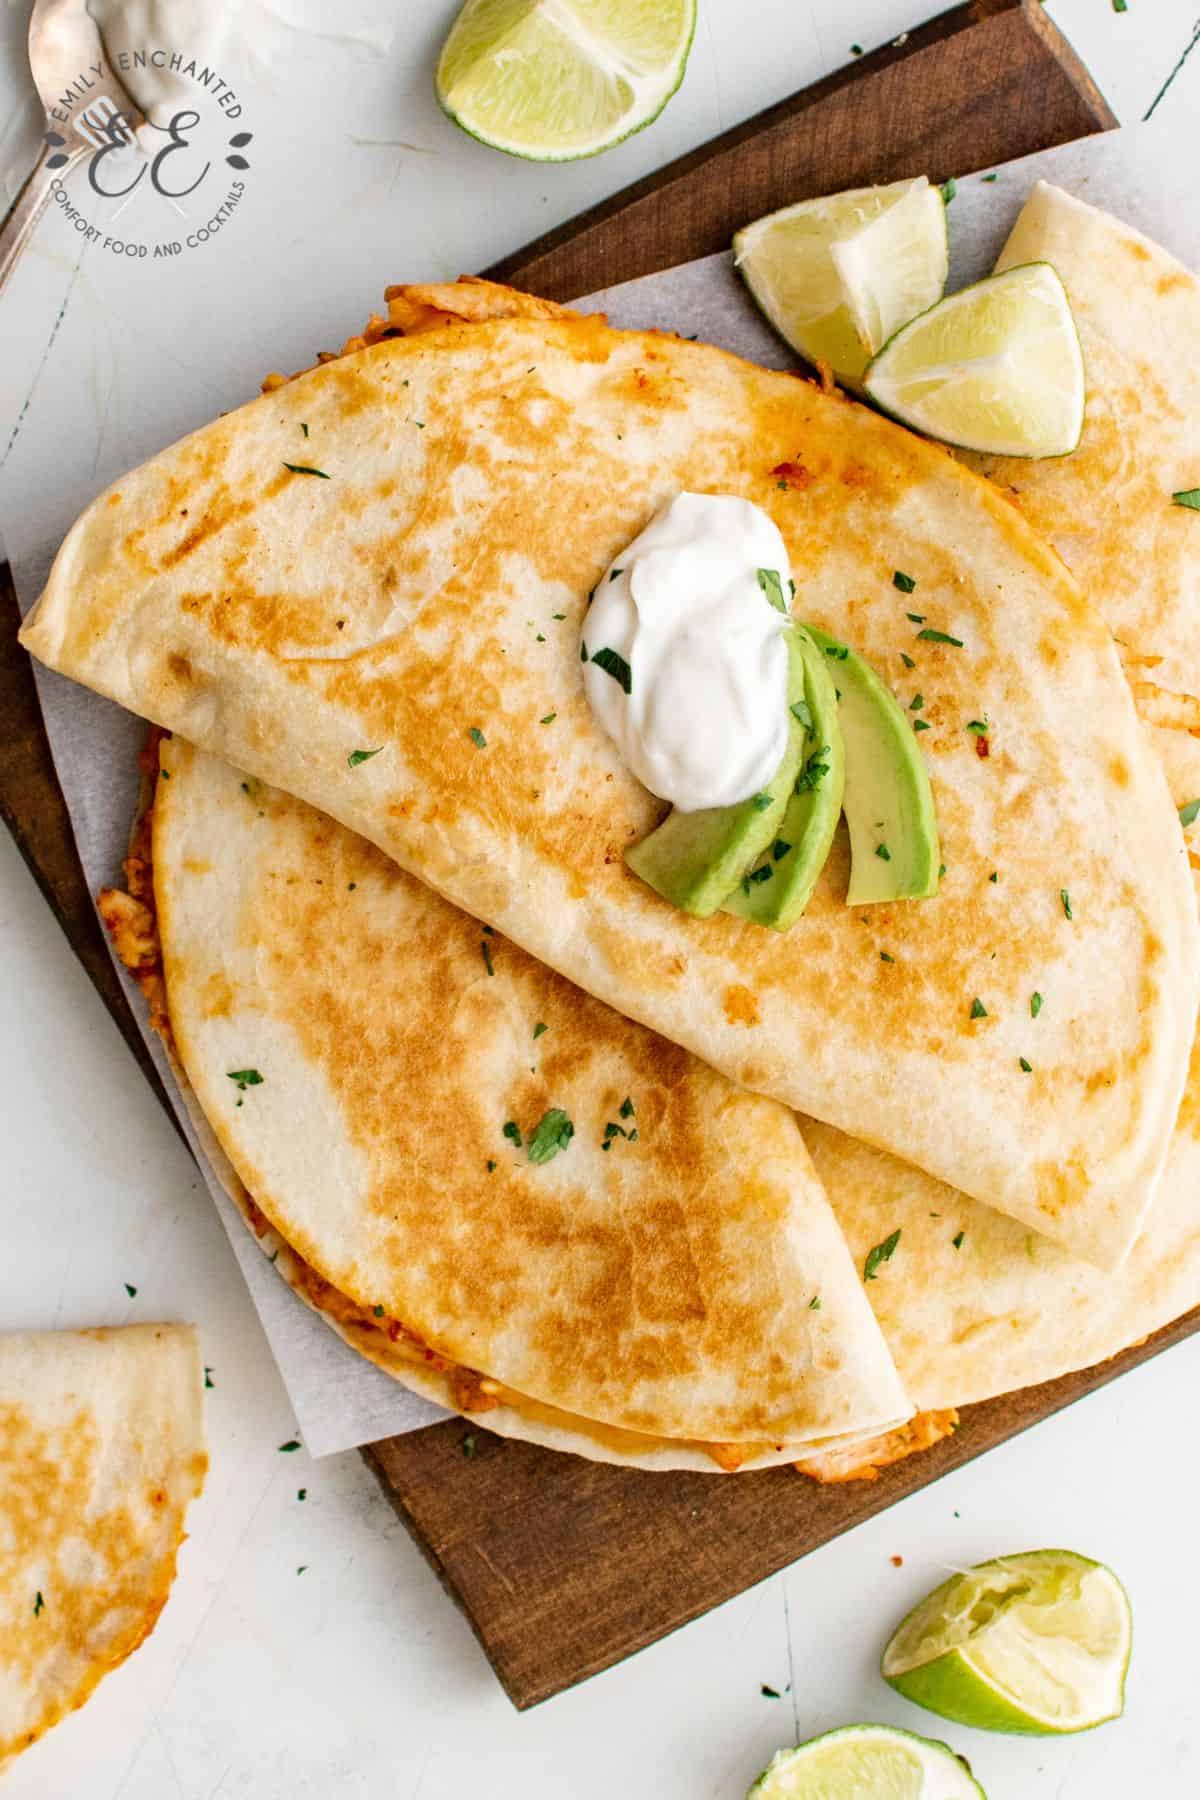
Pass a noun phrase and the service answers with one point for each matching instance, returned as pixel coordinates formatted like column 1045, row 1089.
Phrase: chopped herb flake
column 770, row 1693
column 761, row 802
column 292, row 1444
column 468, row 1445
column 614, row 573
column 992, row 177
column 39, row 1605
column 907, row 660
column 801, row 711
column 949, row 189
column 378, row 1311
column 1036, row 1004
column 486, row 948
column 614, row 665
column 304, row 429
column 978, row 1009
column 583, row 655
column 839, row 652
column 208, row 1380
column 131, row 1291
column 994, row 876
column 917, row 618
column 303, row 469
column 302, row 1568
column 814, row 1304
column 772, row 587
column 1065, row 897
column 884, row 956
column 491, row 1165
column 477, row 738
column 627, row 1108
column 979, row 727
column 1027, row 1066
column 1188, row 497
column 512, row 1131
column 552, row 1133
column 916, row 703
column 780, row 848
column 880, row 1254
column 548, row 719
column 302, row 1493
column 1189, row 813
column 957, row 1240
column 758, row 876
column 939, row 637
column 904, row 582
column 882, row 851
column 539, row 1028
column 814, row 771
column 244, row 1078
column 361, row 756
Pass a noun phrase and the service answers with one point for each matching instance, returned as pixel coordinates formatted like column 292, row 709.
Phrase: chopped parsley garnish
column 304, row 429
column 512, row 1131
column 880, row 1254
column 780, row 848
column 978, row 1009
column 491, row 1165
column 907, row 660
column 917, row 618
column 1036, row 1004
column 904, row 582
column 801, row 711
column 1188, row 497
column 957, row 1240
column 994, row 876
column 477, row 738
column 770, row 1693
column 208, row 1380
column 949, row 189
column 979, row 727
column 378, row 1311
column 992, row 177
column 939, row 637
column 558, row 615
column 814, row 771
column 303, row 469
column 302, row 1493
column 916, row 703
column 468, row 1446
column 882, row 851
column 539, row 1028
column 302, row 1568
column 131, row 1291
column 486, row 949
column 292, row 1444
column 361, row 756
column 583, row 655
column 548, row 719
column 839, row 652
column 885, row 956
column 1027, row 1066
column 615, row 665
column 772, row 587
column 552, row 1133
column 856, row 50
column 1065, row 897
column 1189, row 813
column 39, row 1605
column 761, row 802
column 814, row 1304
column 245, row 1078
column 614, row 573
column 757, row 876
column 627, row 1108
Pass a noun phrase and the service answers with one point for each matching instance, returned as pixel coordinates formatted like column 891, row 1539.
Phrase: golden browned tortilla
column 101, row 1451
column 429, row 593
column 374, row 1068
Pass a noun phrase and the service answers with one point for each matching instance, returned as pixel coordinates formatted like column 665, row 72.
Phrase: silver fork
column 65, row 45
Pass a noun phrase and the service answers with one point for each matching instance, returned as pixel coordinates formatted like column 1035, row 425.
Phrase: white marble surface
column 357, row 1677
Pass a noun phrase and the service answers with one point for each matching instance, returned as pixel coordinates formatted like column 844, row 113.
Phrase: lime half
column 868, row 1762
column 836, row 277
column 557, row 79
column 996, row 367
column 1037, row 1643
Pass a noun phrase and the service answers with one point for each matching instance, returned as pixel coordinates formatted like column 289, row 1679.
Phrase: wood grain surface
column 565, row 1566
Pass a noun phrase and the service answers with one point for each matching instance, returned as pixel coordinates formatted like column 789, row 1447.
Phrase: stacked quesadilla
column 519, row 1128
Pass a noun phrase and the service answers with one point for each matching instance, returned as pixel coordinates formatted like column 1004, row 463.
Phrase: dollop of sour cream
column 693, row 634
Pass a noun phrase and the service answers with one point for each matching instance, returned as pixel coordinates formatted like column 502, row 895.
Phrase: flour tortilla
column 101, row 1451
column 357, row 1047
column 1107, row 508
column 481, row 476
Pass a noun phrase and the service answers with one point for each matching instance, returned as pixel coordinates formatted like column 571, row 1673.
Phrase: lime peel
column 880, row 1760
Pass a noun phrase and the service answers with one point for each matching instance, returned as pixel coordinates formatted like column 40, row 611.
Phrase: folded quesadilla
column 514, row 1199
column 367, row 588
column 101, row 1451
column 1112, row 508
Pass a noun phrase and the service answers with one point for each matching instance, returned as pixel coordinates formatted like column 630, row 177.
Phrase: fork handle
column 28, row 207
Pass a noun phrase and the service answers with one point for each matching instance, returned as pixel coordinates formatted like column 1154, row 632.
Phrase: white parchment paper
column 1143, row 174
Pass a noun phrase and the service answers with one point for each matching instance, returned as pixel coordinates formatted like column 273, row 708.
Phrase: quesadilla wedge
column 1112, row 508
column 101, row 1451
column 515, row 1200
column 385, row 639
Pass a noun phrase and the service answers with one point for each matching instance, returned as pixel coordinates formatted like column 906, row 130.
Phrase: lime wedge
column 557, row 79
column 836, row 277
column 868, row 1760
column 996, row 367
column 1037, row 1643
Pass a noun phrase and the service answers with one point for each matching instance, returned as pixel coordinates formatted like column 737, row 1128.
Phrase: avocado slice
column 894, row 850
column 696, row 859
column 795, row 858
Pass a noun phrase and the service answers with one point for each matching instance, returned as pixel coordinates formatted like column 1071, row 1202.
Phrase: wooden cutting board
column 563, row 1566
